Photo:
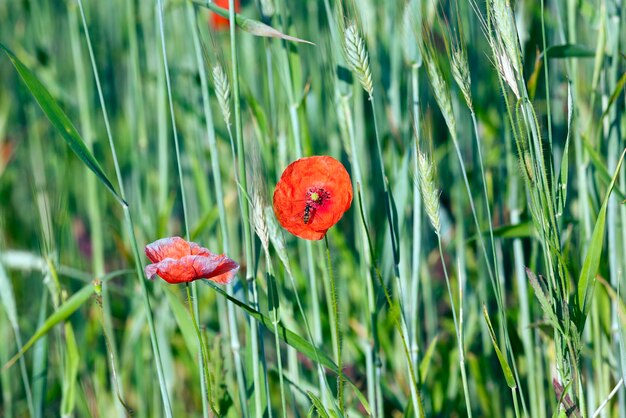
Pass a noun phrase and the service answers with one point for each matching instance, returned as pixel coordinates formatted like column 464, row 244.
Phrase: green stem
column 131, row 230
column 219, row 195
column 374, row 365
column 93, row 207
column 546, row 77
column 459, row 331
column 335, row 308
column 417, row 223
column 245, row 209
column 275, row 317
column 415, row 396
column 392, row 231
column 204, row 376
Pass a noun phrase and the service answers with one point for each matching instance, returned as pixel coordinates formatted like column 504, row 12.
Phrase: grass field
column 479, row 270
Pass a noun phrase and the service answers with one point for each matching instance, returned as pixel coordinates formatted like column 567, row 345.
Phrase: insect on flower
column 312, row 195
column 219, row 22
column 307, row 214
column 178, row 261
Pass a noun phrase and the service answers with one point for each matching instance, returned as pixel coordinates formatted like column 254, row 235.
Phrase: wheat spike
column 356, row 53
column 222, row 91
column 461, row 74
column 503, row 21
column 260, row 224
column 441, row 91
column 430, row 194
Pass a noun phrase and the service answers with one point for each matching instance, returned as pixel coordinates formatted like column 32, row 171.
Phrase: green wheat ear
column 430, row 193
column 461, row 74
column 357, row 56
column 441, row 91
column 222, row 91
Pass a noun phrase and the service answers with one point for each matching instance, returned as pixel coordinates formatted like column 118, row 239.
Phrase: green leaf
column 425, row 363
column 293, row 339
column 318, row 406
column 619, row 87
column 273, row 301
column 7, row 296
column 60, row 315
column 8, row 299
column 523, row 229
column 183, row 319
column 251, row 26
column 205, row 223
column 508, row 375
column 546, row 306
column 40, row 362
column 568, row 51
column 587, row 278
column 71, row 371
column 561, row 193
column 615, row 297
column 600, row 166
column 60, row 121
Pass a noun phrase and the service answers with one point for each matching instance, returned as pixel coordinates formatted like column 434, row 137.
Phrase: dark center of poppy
column 316, row 196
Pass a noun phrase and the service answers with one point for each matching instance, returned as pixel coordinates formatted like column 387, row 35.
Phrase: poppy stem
column 333, row 293
column 203, row 353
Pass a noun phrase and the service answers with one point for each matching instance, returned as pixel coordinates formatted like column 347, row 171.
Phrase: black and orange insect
column 307, row 214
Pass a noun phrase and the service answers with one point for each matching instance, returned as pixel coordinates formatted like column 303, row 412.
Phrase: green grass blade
column 40, row 363
column 543, row 299
column 619, row 88
column 563, row 172
column 318, row 406
column 524, row 229
column 602, row 171
column 569, row 51
column 181, row 315
column 7, row 297
column 427, row 360
column 72, row 359
column 587, row 278
column 293, row 339
column 65, row 310
column 60, row 121
column 508, row 375
column 251, row 26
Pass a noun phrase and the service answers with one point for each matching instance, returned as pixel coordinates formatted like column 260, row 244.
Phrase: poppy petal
column 225, row 272
column 292, row 196
column 151, row 270
column 176, row 271
column 172, row 247
column 178, row 261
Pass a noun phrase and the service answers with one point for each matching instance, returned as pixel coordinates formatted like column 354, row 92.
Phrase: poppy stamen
column 316, row 196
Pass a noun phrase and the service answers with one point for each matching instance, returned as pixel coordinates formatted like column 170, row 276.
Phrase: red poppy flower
column 312, row 195
column 178, row 261
column 219, row 22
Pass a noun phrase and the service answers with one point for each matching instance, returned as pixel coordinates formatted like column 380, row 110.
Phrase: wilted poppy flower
column 312, row 195
column 219, row 22
column 178, row 261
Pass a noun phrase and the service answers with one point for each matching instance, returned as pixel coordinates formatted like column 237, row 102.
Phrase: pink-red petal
column 178, row 261
column 172, row 247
